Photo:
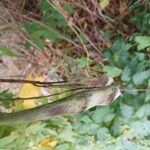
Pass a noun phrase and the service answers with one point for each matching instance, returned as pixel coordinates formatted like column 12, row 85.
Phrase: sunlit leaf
column 143, row 41
column 112, row 71
column 84, row 61
column 47, row 142
column 104, row 3
column 29, row 90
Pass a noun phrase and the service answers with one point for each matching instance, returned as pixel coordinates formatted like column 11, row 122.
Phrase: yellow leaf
column 47, row 142
column 29, row 90
column 13, row 133
column 104, row 3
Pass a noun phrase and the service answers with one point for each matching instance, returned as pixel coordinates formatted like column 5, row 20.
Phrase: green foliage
column 112, row 71
column 143, row 42
column 5, row 97
column 51, row 26
column 142, row 16
column 6, row 51
column 124, row 125
column 140, row 77
column 84, row 61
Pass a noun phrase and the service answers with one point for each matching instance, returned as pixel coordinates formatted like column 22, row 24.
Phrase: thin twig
column 80, row 89
column 40, row 84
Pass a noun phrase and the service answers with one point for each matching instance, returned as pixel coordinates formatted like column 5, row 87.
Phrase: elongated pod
column 77, row 103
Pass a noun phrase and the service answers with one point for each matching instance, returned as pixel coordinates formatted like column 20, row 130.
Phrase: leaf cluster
column 123, row 125
column 51, row 26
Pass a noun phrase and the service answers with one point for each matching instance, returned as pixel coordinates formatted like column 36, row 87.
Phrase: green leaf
column 127, row 111
column 2, row 130
column 84, row 62
column 69, row 8
column 116, row 127
column 34, row 128
column 143, row 42
column 112, row 71
column 126, row 74
column 141, row 20
column 44, row 5
column 5, row 97
column 86, row 119
column 102, row 133
column 108, row 118
column 141, row 56
column 99, row 114
column 67, row 134
column 104, row 114
column 88, row 128
column 144, row 111
column 120, row 46
column 140, row 77
column 32, row 27
column 7, row 140
column 6, row 51
column 141, row 128
column 64, row 146
column 128, row 145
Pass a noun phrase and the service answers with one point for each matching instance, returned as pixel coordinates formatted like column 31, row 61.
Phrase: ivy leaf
column 143, row 42
column 140, row 77
column 112, row 71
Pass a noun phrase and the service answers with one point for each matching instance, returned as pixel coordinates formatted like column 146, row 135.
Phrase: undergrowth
column 111, row 41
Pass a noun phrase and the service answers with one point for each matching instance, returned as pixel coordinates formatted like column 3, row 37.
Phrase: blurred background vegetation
column 82, row 38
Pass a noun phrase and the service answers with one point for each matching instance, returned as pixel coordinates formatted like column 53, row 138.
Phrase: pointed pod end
column 117, row 94
column 103, row 96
